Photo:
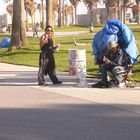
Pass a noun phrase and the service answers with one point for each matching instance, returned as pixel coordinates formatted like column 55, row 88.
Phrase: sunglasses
column 49, row 31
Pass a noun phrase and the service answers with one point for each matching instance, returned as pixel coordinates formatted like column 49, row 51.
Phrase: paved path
column 64, row 112
column 61, row 34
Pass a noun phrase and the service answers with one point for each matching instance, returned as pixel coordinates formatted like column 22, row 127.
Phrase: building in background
column 83, row 15
column 100, row 14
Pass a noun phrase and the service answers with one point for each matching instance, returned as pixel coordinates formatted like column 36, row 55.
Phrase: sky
column 81, row 9
column 2, row 7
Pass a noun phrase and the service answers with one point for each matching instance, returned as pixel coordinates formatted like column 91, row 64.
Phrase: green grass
column 29, row 56
column 70, row 28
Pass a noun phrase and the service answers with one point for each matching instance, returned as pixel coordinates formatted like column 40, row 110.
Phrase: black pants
column 46, row 66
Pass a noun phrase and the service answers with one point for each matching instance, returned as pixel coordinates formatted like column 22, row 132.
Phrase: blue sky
column 81, row 8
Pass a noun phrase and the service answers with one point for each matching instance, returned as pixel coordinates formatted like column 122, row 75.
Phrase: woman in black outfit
column 46, row 59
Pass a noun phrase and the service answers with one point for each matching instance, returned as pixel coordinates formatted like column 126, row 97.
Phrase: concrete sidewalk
column 125, row 98
column 64, row 112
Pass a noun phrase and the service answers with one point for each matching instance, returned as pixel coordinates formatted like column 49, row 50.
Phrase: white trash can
column 77, row 65
column 77, row 60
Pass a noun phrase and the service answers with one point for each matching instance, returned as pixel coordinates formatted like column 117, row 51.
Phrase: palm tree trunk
column 32, row 21
column 42, row 24
column 63, row 11
column 49, row 12
column 73, row 17
column 138, row 5
column 15, row 36
column 107, row 9
column 66, row 16
column 107, row 12
column 23, row 26
column 120, row 10
column 27, row 29
column 91, row 17
column 76, row 21
column 123, row 13
column 60, row 14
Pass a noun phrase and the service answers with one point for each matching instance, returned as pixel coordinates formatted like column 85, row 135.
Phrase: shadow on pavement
column 69, row 122
column 29, row 78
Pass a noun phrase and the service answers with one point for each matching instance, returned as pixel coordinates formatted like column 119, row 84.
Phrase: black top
column 48, row 47
column 119, row 58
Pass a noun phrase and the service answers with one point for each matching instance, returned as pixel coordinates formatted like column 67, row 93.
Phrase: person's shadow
column 29, row 78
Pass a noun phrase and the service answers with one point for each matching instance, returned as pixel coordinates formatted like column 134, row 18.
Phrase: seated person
column 115, row 60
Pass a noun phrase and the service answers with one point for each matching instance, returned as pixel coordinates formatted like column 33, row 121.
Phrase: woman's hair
column 48, row 26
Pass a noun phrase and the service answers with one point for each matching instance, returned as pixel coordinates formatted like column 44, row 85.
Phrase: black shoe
column 57, row 83
column 101, row 84
column 42, row 84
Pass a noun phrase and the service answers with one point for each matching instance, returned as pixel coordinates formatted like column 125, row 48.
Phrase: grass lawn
column 29, row 56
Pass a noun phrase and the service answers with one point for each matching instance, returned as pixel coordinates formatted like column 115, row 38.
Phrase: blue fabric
column 5, row 43
column 115, row 30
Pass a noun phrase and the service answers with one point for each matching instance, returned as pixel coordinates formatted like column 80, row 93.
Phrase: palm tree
column 23, row 26
column 42, row 5
column 9, row 9
column 91, row 4
column 69, row 11
column 26, row 10
column 15, row 36
column 40, row 8
column 49, row 14
column 55, row 7
column 109, row 4
column 30, row 9
column 75, row 4
column 116, row 9
column 124, row 8
column 138, row 10
column 60, row 13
